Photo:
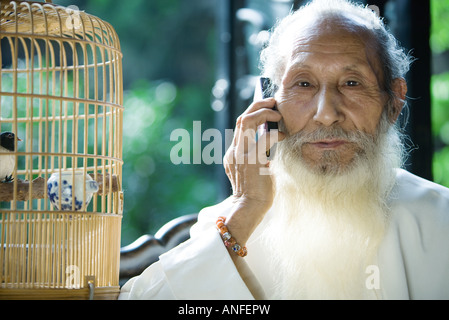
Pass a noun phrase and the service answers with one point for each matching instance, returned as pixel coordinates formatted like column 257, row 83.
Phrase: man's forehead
column 350, row 49
column 341, row 38
column 328, row 34
column 327, row 47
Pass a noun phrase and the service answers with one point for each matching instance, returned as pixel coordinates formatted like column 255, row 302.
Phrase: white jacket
column 413, row 259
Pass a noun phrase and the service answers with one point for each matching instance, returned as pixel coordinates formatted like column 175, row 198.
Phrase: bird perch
column 39, row 188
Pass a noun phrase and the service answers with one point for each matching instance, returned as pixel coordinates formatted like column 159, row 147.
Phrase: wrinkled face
column 331, row 84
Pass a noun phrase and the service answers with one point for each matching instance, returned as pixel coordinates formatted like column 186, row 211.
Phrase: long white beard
column 326, row 228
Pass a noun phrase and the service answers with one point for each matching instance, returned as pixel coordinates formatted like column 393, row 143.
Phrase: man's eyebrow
column 299, row 65
column 363, row 70
column 353, row 67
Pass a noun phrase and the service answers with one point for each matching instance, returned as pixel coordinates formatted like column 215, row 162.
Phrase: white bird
column 7, row 159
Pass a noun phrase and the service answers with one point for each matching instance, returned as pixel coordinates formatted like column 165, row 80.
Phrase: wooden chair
column 140, row 254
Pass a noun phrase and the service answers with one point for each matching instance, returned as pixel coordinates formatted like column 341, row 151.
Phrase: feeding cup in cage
column 68, row 190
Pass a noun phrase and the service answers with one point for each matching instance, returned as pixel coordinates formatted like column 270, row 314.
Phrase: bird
column 7, row 159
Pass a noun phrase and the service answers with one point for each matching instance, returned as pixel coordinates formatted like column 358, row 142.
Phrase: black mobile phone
column 268, row 90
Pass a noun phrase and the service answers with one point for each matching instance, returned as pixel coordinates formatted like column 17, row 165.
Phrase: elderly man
column 336, row 218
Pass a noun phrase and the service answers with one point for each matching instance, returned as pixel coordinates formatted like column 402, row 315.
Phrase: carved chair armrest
column 137, row 256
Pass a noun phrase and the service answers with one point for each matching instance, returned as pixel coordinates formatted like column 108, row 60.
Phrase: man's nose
column 328, row 110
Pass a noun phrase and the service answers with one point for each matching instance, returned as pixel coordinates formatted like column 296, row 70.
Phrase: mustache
column 334, row 132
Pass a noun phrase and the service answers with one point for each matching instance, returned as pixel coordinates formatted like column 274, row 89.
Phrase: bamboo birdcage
column 62, row 95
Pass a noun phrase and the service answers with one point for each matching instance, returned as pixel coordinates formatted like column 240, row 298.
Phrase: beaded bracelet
column 228, row 240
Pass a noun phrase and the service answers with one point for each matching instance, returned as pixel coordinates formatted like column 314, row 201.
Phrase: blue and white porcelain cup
column 72, row 190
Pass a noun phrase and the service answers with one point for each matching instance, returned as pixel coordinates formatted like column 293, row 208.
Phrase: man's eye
column 304, row 84
column 352, row 83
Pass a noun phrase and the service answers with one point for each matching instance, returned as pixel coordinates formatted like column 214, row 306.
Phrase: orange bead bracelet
column 228, row 240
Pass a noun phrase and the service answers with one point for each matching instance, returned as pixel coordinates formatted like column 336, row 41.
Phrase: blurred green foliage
column 439, row 38
column 439, row 42
column 156, row 190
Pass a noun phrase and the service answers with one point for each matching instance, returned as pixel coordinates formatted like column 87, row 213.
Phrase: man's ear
column 399, row 88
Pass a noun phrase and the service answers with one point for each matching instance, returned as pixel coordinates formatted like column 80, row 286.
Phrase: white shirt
column 413, row 259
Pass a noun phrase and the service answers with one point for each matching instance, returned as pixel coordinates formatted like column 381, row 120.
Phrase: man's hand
column 246, row 166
